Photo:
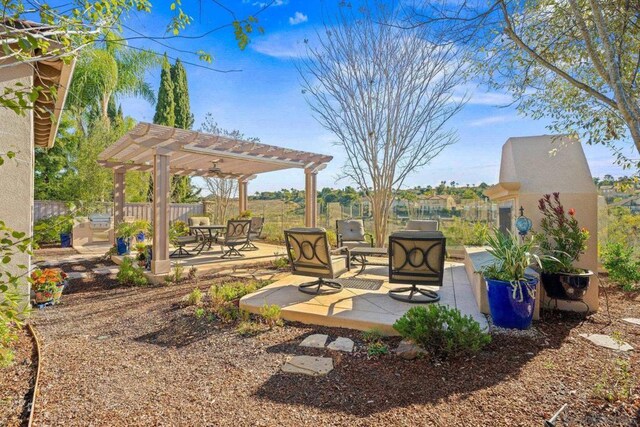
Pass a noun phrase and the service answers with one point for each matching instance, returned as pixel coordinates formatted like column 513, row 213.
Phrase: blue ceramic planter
column 511, row 309
column 140, row 236
column 122, row 246
column 65, row 240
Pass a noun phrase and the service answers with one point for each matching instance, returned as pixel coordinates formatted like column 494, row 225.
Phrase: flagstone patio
column 360, row 309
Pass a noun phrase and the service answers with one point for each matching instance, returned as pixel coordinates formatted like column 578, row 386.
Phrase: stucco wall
column 546, row 164
column 16, row 176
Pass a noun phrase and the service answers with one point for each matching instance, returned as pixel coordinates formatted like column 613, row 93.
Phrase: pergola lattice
column 166, row 151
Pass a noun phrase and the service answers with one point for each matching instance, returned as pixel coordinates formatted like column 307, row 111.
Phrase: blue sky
column 265, row 98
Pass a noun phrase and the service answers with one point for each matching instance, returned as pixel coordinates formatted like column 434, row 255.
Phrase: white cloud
column 298, row 18
column 283, row 45
column 491, row 120
column 476, row 95
column 275, row 3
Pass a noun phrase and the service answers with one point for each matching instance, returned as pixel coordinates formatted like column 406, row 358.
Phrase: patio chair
column 196, row 221
column 422, row 225
column 310, row 255
column 257, row 222
column 350, row 233
column 416, row 258
column 236, row 235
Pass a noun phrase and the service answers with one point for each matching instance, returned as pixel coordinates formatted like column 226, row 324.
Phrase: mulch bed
column 17, row 382
column 132, row 356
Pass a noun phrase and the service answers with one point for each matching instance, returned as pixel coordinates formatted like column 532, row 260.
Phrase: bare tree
column 386, row 94
column 222, row 190
column 575, row 61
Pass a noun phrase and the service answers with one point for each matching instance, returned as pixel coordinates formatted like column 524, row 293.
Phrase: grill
column 100, row 221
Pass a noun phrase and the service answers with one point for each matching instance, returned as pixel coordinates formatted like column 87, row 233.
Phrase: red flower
column 572, row 212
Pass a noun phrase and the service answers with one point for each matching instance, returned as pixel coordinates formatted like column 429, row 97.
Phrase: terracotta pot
column 566, row 286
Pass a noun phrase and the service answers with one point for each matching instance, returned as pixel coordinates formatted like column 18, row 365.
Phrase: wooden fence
column 177, row 211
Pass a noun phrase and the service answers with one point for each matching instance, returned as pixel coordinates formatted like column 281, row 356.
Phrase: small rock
column 315, row 341
column 607, row 342
column 76, row 275
column 103, row 337
column 632, row 321
column 341, row 344
column 308, row 365
column 408, row 350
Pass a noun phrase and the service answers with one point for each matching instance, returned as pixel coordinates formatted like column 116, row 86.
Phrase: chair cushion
column 422, row 225
column 351, row 229
column 356, row 244
column 196, row 221
column 417, row 256
column 338, row 267
column 183, row 240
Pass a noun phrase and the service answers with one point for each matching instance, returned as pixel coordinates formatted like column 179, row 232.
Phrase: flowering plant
column 562, row 239
column 47, row 280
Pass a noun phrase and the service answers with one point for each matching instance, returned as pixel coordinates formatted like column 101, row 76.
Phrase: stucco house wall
column 537, row 165
column 16, row 176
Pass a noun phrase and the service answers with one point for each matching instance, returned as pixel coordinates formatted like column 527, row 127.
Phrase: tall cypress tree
column 181, row 189
column 165, row 107
column 184, row 118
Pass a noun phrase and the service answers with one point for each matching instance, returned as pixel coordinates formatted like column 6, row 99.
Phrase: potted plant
column 141, row 257
column 511, row 292
column 64, row 225
column 48, row 285
column 563, row 241
column 126, row 231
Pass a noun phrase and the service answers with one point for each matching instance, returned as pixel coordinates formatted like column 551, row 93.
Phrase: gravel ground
column 16, row 383
column 131, row 356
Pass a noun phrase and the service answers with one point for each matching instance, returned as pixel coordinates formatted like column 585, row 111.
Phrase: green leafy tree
column 182, row 109
column 182, row 190
column 166, row 106
column 575, row 62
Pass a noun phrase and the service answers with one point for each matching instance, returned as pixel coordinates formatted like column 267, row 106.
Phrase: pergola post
column 118, row 196
column 243, row 201
column 160, row 262
column 311, row 197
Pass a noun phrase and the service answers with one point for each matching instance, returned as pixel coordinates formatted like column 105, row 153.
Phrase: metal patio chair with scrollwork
column 310, row 255
column 416, row 258
column 236, row 235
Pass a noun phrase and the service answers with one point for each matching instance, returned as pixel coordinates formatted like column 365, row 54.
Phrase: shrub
column 461, row 232
column 131, row 274
column 48, row 230
column 175, row 276
column 271, row 315
column 194, row 298
column 442, row 331
column 377, row 348
column 372, row 335
column 622, row 264
column 247, row 328
column 617, row 385
column 193, row 273
column 200, row 313
column 280, row 263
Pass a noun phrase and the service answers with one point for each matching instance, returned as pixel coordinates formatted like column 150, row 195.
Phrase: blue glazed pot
column 65, row 240
column 122, row 245
column 140, row 236
column 511, row 309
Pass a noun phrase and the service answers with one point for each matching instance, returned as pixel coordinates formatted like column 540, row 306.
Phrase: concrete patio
column 209, row 262
column 360, row 309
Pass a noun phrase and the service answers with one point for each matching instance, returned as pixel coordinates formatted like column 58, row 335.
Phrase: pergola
column 167, row 151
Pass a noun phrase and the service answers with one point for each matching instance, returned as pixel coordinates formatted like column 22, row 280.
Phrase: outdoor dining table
column 206, row 235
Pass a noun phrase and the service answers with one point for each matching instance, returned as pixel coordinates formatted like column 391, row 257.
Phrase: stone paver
column 77, row 275
column 408, row 350
column 315, row 341
column 632, row 321
column 607, row 342
column 341, row 344
column 308, row 365
column 106, row 270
